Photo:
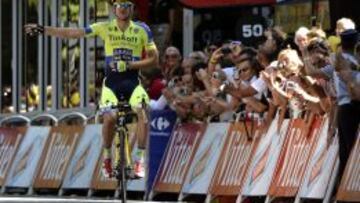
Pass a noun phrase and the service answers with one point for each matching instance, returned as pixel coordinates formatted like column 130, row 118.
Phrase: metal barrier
column 15, row 120
column 73, row 118
column 44, row 120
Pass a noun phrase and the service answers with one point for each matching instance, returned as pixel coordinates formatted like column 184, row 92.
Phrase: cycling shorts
column 115, row 86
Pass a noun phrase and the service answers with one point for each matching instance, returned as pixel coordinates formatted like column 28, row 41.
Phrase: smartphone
column 226, row 50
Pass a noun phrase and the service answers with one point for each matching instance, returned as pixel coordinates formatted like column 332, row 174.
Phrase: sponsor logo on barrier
column 157, row 143
column 264, row 162
column 82, row 165
column 236, row 155
column 294, row 158
column 9, row 142
column 27, row 158
column 349, row 189
column 61, row 145
column 160, row 123
column 206, row 158
column 181, row 151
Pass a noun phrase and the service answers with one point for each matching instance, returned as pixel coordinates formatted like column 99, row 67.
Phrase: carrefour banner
column 83, row 163
column 321, row 167
column 9, row 142
column 263, row 166
column 162, row 124
column 27, row 158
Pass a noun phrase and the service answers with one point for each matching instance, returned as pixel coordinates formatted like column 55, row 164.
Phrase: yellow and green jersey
column 128, row 45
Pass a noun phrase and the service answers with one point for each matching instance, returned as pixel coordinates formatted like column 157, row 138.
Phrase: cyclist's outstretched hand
column 34, row 29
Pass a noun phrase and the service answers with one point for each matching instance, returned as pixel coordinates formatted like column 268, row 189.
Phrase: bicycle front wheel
column 122, row 180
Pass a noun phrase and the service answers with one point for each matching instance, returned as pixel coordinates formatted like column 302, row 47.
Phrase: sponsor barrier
column 58, row 151
column 26, row 161
column 219, row 160
column 206, row 158
column 99, row 182
column 180, row 152
column 265, row 158
column 321, row 167
column 161, row 127
column 293, row 160
column 349, row 189
column 83, row 163
column 9, row 142
column 236, row 157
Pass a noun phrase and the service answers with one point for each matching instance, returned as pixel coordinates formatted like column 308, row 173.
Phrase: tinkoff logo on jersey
column 132, row 39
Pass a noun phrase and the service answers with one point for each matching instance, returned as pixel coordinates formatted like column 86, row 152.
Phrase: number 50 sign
column 250, row 29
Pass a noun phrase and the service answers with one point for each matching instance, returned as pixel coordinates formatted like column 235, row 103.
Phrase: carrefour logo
column 160, row 123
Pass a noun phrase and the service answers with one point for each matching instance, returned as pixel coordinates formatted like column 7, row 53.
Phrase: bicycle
column 123, row 170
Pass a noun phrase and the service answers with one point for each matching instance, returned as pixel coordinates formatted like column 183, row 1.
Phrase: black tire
column 122, row 180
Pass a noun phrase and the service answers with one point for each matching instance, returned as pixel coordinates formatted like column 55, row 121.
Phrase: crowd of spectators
column 311, row 74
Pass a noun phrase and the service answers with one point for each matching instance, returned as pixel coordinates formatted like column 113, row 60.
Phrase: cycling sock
column 107, row 153
column 140, row 153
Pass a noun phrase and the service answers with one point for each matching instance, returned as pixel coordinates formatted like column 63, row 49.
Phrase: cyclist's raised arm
column 34, row 29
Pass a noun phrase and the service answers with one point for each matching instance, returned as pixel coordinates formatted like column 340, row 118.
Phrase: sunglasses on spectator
column 124, row 5
column 173, row 56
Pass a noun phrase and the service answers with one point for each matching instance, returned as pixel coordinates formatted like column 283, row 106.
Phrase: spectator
column 301, row 38
column 170, row 62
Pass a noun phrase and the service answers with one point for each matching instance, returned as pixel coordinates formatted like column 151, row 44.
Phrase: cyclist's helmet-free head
column 122, row 4
column 112, row 2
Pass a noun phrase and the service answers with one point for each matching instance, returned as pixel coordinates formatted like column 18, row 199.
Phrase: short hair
column 301, row 32
column 347, row 23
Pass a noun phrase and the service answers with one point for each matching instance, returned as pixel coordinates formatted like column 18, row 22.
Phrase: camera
column 223, row 86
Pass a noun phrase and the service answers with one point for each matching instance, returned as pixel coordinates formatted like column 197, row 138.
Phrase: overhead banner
column 27, row 158
column 294, row 157
column 349, row 189
column 82, row 166
column 206, row 158
column 236, row 156
column 59, row 149
column 321, row 167
column 162, row 124
column 266, row 156
column 183, row 145
column 9, row 142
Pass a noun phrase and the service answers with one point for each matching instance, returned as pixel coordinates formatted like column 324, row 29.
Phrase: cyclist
column 129, row 47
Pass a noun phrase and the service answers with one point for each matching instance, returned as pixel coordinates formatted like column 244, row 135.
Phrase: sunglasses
column 124, row 5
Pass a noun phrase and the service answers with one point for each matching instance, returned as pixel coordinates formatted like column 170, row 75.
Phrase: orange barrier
column 349, row 189
column 294, row 156
column 9, row 142
column 180, row 152
column 235, row 160
column 59, row 149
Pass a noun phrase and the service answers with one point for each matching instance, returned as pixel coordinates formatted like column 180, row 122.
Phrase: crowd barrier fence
column 236, row 160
